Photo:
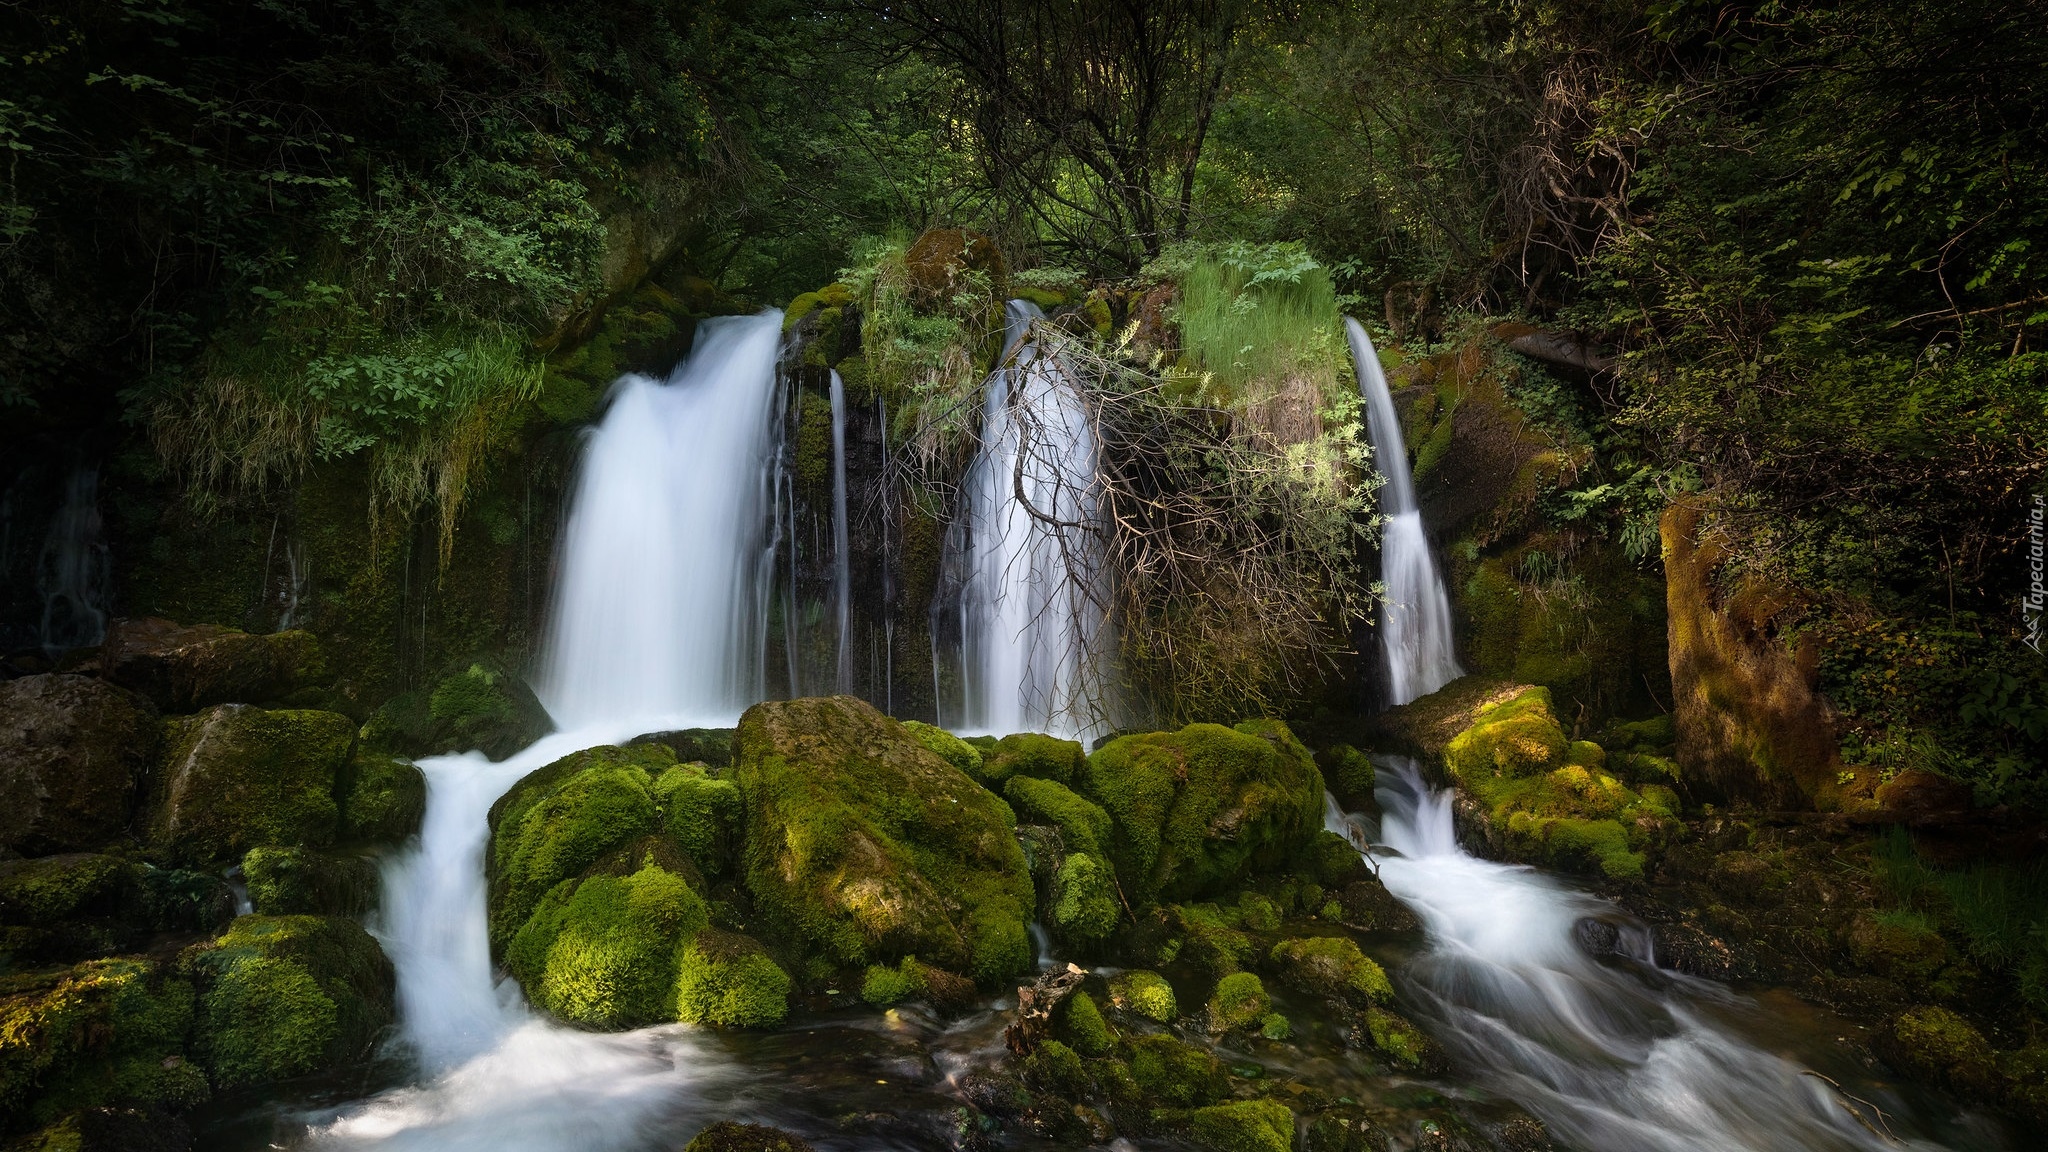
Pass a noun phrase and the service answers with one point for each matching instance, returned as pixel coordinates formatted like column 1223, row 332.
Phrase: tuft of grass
column 1999, row 909
column 1258, row 316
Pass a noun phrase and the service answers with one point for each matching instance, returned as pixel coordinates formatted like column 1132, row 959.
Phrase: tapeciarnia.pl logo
column 2037, row 594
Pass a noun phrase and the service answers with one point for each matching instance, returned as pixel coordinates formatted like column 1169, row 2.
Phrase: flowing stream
column 658, row 624
column 1415, row 624
column 1024, row 543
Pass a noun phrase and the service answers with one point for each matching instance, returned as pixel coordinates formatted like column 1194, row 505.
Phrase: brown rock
column 184, row 668
column 1917, row 795
column 73, row 753
column 938, row 259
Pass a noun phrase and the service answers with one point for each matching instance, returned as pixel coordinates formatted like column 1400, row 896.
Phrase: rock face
column 864, row 846
column 1751, row 725
column 1203, row 807
column 73, row 752
column 185, row 668
column 235, row 777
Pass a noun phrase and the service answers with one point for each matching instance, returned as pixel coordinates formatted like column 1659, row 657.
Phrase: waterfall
column 660, row 612
column 842, row 581
column 1415, row 624
column 1620, row 1055
column 74, row 573
column 1030, row 629
column 659, row 624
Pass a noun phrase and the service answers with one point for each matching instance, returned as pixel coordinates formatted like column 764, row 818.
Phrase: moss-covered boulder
column 1083, row 825
column 1937, row 1045
column 306, row 882
column 1332, row 967
column 73, row 753
column 561, row 819
column 235, row 777
column 1239, row 1002
column 383, row 798
column 602, row 950
column 104, row 1032
column 1243, row 1126
column 1083, row 908
column 1202, row 808
column 863, row 845
column 69, row 907
column 734, row 1137
column 285, row 996
column 1032, row 754
column 1542, row 802
column 1401, row 1042
column 1899, row 944
column 703, row 814
column 1145, row 994
column 948, row 747
column 1081, row 1025
column 478, row 705
column 110, row 1128
column 728, row 980
column 187, row 667
column 1176, row 1074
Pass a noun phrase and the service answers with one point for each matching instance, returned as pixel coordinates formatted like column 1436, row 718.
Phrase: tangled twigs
column 1845, row 1097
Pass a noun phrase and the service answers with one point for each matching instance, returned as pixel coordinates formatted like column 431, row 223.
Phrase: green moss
column 1348, row 773
column 882, row 984
column 1900, row 944
column 1398, row 1040
column 1053, row 1067
column 1240, row 1001
column 559, row 820
column 1176, row 1074
column 1146, row 994
column 1938, row 1045
column 476, row 705
column 1213, row 940
column 237, row 777
column 1517, row 738
column 102, row 1032
column 703, row 814
column 285, row 996
column 1243, row 1126
column 1083, row 826
column 952, row 749
column 1032, row 754
column 733, row 1137
column 1332, row 966
column 1082, row 1026
column 863, row 845
column 811, row 457
column 1257, row 913
column 1084, row 909
column 1274, row 1026
column 830, row 296
column 1195, row 810
column 301, row 881
column 53, row 888
column 1493, row 605
column 602, row 951
column 728, row 981
column 383, row 798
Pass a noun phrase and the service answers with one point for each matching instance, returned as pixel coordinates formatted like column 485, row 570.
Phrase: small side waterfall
column 661, row 612
column 1415, row 625
column 842, row 559
column 1025, row 551
column 74, row 573
column 1618, row 1056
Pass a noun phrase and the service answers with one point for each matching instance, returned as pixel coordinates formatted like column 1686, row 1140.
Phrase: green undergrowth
column 1998, row 909
column 1257, row 315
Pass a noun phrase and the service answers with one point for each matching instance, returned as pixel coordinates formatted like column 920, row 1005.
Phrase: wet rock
column 1145, row 994
column 1366, row 904
column 285, row 996
column 1525, row 1134
column 101, row 1032
column 711, row 747
column 481, row 706
column 727, row 980
column 1345, row 1131
column 235, row 777
column 1401, row 1042
column 732, row 1137
column 1915, row 795
column 69, row 907
column 561, row 819
column 1937, row 1045
column 1175, row 1073
column 1332, row 967
column 864, row 845
column 1243, row 1126
column 305, row 882
column 383, row 798
column 73, row 754
column 1198, row 810
column 184, row 668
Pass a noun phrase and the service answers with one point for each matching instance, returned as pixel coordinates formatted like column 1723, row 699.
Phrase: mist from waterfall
column 659, row 623
column 1026, row 554
column 1415, row 621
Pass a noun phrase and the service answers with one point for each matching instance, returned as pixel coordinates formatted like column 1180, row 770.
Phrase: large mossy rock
column 1545, row 799
column 73, row 752
column 285, row 996
column 187, row 667
column 477, row 706
column 69, row 907
column 597, row 864
column 383, row 798
column 104, row 1032
column 1196, row 810
column 864, row 846
column 235, row 777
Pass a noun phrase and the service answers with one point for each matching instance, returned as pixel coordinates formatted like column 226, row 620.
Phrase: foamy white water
column 660, row 606
column 1415, row 622
column 1613, row 1057
column 1030, row 632
column 657, row 625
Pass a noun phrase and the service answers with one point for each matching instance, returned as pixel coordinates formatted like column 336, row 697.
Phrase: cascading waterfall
column 1029, row 629
column 1618, row 1055
column 1416, row 622
column 660, row 611
column 658, row 624
column 74, row 572
column 842, row 580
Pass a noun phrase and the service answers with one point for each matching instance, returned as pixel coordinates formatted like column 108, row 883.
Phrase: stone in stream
column 235, row 777
column 73, row 753
column 184, row 668
column 287, row 996
column 475, row 704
